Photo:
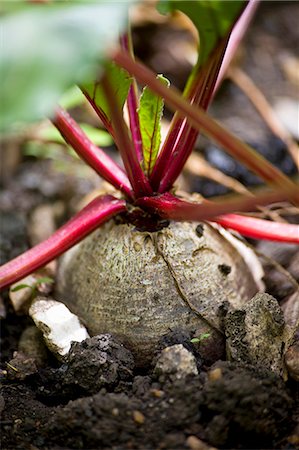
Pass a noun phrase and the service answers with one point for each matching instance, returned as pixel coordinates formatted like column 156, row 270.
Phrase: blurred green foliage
column 47, row 48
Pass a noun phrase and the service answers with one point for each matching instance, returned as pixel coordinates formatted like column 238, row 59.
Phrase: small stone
column 138, row 417
column 23, row 292
column 292, row 361
column 22, row 298
column 215, row 374
column 256, row 334
column 176, row 361
column 294, row 439
column 157, row 393
column 197, row 444
column 59, row 326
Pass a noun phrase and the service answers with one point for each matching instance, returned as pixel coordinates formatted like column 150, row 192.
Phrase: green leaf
column 201, row 338
column 10, row 6
column 21, row 286
column 212, row 18
column 120, row 82
column 150, row 114
column 34, row 285
column 42, row 280
column 48, row 48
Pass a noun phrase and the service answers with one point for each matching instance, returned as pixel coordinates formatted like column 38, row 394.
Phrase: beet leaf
column 120, row 83
column 150, row 114
column 138, row 180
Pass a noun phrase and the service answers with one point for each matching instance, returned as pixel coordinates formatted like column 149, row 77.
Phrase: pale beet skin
column 141, row 285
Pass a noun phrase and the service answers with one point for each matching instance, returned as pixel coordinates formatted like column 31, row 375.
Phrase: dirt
column 97, row 398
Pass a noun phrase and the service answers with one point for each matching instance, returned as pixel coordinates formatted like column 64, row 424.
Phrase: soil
column 97, row 398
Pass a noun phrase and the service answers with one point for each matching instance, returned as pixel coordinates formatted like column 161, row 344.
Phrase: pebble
column 197, row 444
column 21, row 299
column 175, row 361
column 138, row 417
column 256, row 334
column 215, row 374
column 59, row 326
column 157, row 393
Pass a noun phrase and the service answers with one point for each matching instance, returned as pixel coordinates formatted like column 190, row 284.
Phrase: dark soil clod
column 245, row 405
column 98, row 362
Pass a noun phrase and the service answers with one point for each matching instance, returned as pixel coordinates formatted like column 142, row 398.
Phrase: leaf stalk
column 138, row 180
column 90, row 153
